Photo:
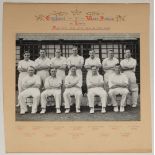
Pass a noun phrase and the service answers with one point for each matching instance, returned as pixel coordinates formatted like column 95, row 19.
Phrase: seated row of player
column 118, row 84
column 42, row 64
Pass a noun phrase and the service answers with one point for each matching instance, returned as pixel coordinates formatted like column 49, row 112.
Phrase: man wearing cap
column 92, row 61
column 42, row 65
column 73, row 84
column 95, row 87
column 118, row 85
column 52, row 87
column 129, row 66
column 30, row 84
column 75, row 60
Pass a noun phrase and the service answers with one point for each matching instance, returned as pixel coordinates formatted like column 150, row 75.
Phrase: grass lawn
column 131, row 114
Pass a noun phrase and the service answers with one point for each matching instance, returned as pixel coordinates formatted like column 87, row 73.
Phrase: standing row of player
column 42, row 65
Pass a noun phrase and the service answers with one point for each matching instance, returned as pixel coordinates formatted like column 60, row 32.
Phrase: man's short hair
column 52, row 68
column 92, row 50
column 72, row 66
column 118, row 65
column 127, row 49
column 26, row 52
column 58, row 49
column 31, row 67
column 74, row 47
column 42, row 49
column 93, row 67
column 111, row 51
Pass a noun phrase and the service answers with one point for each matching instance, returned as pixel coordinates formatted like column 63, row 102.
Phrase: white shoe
column 122, row 109
column 43, row 111
column 91, row 111
column 103, row 110
column 58, row 111
column 134, row 105
column 67, row 111
column 22, row 112
column 78, row 111
column 33, row 112
column 116, row 109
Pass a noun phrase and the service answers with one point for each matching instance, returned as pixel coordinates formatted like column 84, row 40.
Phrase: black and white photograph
column 77, row 77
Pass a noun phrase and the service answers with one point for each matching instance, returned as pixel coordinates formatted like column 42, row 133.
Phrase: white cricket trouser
column 72, row 92
column 20, row 78
column 57, row 96
column 133, row 87
column 43, row 74
column 35, row 93
column 97, row 91
column 118, row 91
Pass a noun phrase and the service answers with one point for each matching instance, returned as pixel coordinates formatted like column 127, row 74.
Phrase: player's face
column 42, row 53
column 75, row 51
column 94, row 71
column 127, row 53
column 92, row 54
column 26, row 56
column 53, row 72
column 73, row 70
column 117, row 69
column 110, row 54
column 58, row 53
column 30, row 71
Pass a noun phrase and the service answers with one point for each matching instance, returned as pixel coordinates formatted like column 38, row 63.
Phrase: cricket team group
column 46, row 77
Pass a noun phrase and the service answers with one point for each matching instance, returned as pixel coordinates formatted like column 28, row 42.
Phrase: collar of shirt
column 31, row 76
column 75, row 56
column 114, row 74
column 43, row 58
column 111, row 59
column 94, row 75
column 27, row 60
column 73, row 75
column 93, row 58
column 128, row 59
column 58, row 58
column 53, row 77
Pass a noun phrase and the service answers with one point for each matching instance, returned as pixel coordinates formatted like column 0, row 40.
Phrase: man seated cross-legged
column 118, row 85
column 52, row 87
column 30, row 85
column 73, row 84
column 95, row 87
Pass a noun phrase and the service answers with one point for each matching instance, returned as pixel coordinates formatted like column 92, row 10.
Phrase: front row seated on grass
column 118, row 84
